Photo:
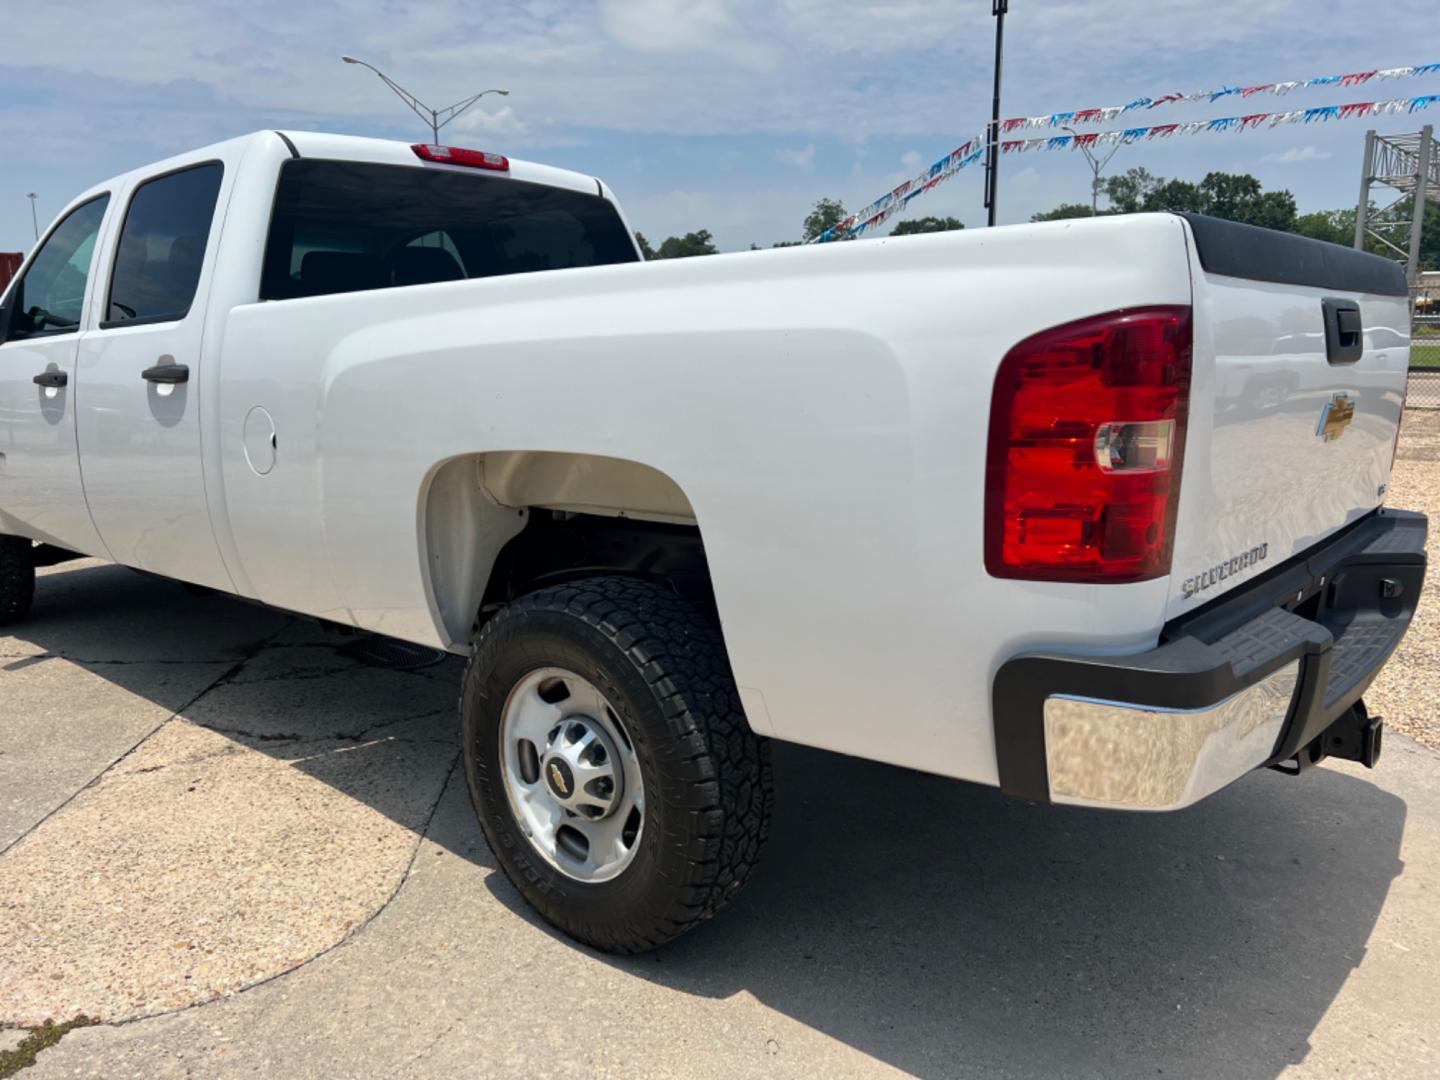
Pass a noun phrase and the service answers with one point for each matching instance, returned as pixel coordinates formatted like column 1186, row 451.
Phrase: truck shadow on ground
column 945, row 929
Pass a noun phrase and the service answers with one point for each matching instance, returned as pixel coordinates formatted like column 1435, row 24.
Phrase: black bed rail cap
column 1248, row 251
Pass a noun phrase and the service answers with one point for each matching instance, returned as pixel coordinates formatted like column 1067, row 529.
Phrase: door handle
column 166, row 373
column 51, row 378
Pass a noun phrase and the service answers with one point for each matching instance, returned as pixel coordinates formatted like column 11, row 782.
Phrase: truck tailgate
column 1300, row 358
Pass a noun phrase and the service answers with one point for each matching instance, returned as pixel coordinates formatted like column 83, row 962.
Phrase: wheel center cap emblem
column 560, row 779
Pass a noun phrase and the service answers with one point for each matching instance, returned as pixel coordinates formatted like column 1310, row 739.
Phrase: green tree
column 825, row 216
column 1240, row 197
column 1335, row 226
column 927, row 224
column 1429, row 233
column 1065, row 211
column 1430, row 238
column 1232, row 196
column 683, row 247
column 646, row 250
column 1128, row 191
column 1177, row 195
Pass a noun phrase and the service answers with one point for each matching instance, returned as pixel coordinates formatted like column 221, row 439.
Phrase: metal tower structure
column 1409, row 165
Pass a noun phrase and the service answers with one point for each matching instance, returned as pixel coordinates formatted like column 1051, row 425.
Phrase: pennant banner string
column 883, row 208
column 1075, row 117
column 1318, row 114
column 889, row 204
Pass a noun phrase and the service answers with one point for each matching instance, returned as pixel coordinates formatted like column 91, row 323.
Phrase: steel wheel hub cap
column 580, row 768
column 571, row 775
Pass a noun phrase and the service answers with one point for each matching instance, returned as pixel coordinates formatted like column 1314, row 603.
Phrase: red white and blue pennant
column 1104, row 115
column 972, row 150
column 892, row 202
column 1319, row 114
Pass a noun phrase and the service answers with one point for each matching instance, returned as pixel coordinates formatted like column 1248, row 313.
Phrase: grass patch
column 1425, row 355
column 40, row 1038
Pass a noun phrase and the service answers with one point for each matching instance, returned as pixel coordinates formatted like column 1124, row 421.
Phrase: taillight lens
column 1087, row 432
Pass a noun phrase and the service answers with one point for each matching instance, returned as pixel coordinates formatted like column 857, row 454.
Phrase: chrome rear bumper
column 1250, row 680
column 1114, row 754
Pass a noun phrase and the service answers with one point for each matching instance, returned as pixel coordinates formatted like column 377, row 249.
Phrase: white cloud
column 1297, row 154
column 502, row 121
column 879, row 26
column 803, row 158
column 879, row 87
column 666, row 24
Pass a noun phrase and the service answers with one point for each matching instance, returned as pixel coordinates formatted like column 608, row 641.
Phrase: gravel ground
column 1407, row 693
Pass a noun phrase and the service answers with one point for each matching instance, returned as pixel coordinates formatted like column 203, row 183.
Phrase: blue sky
column 732, row 115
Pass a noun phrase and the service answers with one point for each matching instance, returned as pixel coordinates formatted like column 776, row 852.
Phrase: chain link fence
column 1424, row 388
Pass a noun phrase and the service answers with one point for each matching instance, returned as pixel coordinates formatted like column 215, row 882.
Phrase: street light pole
column 998, row 8
column 1095, row 168
column 34, row 221
column 436, row 118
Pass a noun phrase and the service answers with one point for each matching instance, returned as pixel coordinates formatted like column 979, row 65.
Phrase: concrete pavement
column 326, row 874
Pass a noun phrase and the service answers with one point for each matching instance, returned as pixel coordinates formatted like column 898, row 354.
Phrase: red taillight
column 456, row 155
column 1087, row 432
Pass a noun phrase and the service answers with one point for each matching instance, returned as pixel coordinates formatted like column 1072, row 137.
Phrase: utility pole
column 34, row 221
column 436, row 118
column 1096, row 166
column 998, row 8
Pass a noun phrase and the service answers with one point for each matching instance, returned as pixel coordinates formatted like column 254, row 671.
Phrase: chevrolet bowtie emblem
column 1335, row 418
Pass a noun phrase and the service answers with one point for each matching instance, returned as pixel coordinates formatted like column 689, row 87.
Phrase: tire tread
column 17, row 578
column 726, row 792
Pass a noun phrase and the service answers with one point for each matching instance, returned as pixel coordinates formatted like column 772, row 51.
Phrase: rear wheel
column 613, row 772
column 17, row 578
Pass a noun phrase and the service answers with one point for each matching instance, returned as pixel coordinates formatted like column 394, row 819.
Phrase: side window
column 162, row 246
column 49, row 297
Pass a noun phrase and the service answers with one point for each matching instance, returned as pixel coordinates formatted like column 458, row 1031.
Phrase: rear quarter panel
column 824, row 410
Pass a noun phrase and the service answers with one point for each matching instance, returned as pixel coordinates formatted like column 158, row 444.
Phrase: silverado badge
column 1335, row 418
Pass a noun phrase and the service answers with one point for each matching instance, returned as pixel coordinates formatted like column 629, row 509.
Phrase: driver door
column 44, row 312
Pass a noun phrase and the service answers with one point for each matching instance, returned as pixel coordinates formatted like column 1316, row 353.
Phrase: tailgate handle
column 1344, row 332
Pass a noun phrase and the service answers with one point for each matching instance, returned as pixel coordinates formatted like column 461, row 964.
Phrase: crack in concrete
column 229, row 677
column 336, row 736
column 420, row 834
column 41, row 1037
column 219, row 681
column 429, row 1049
column 36, row 658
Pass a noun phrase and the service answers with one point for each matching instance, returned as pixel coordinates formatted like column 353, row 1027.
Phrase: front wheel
column 17, row 578
column 611, row 767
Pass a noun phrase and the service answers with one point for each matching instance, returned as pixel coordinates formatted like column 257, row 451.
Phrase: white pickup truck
column 1090, row 511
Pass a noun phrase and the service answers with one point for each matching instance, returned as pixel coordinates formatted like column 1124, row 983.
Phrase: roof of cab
column 317, row 144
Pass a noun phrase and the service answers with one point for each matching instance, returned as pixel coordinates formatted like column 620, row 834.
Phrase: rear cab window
column 342, row 226
column 162, row 246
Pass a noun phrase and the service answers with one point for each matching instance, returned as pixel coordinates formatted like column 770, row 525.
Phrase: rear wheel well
column 559, row 546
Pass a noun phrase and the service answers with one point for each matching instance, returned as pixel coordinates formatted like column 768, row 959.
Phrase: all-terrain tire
column 708, row 796
column 17, row 578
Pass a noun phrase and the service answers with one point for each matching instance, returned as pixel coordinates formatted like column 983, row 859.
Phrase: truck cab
column 134, row 284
